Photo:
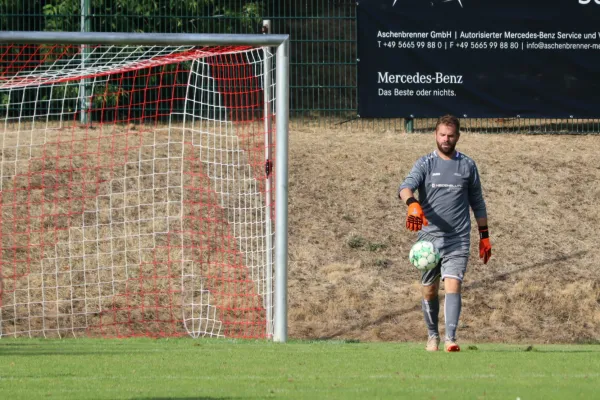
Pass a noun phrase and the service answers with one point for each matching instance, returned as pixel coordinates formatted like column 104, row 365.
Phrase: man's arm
column 405, row 194
column 415, row 218
column 413, row 180
column 479, row 209
column 476, row 200
column 481, row 222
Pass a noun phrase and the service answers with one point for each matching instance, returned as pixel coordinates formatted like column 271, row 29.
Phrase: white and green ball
column 424, row 256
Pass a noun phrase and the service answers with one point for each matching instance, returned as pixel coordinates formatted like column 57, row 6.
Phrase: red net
column 133, row 191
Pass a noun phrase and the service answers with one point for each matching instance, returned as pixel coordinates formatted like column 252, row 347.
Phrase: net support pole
column 268, row 181
column 83, row 85
column 281, row 190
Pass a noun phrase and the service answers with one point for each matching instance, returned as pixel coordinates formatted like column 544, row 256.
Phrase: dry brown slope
column 349, row 277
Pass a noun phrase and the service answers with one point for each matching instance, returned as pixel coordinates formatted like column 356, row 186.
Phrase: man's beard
column 448, row 152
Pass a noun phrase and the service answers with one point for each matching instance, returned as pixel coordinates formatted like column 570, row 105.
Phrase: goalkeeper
column 448, row 184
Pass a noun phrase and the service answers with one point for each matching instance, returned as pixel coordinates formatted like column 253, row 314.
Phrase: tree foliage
column 186, row 16
column 21, row 15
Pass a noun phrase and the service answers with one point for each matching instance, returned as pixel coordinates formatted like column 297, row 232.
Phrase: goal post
column 143, row 184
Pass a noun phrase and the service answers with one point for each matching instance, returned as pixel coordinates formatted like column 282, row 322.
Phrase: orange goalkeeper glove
column 415, row 218
column 485, row 248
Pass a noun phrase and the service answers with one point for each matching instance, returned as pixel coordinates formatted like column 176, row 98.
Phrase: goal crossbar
column 171, row 39
column 281, row 43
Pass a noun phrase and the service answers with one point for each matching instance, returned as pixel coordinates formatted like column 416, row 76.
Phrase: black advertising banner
column 479, row 58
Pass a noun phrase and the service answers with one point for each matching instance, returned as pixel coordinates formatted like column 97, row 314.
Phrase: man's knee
column 430, row 292
column 452, row 285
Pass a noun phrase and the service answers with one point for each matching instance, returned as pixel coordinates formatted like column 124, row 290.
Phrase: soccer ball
column 424, row 256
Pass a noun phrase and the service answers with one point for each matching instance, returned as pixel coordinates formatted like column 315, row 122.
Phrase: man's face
column 446, row 139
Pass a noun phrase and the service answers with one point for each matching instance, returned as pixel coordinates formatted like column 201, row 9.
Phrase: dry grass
column 349, row 276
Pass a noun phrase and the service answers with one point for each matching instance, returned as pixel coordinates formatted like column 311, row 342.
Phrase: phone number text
column 447, row 45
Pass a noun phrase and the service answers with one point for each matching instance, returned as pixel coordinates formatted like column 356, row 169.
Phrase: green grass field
column 237, row 369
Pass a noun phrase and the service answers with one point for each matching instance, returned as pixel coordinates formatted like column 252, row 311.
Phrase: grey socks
column 431, row 310
column 452, row 308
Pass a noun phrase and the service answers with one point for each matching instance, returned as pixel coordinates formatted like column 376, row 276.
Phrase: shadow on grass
column 3, row 343
column 184, row 398
column 505, row 275
column 478, row 284
column 85, row 353
column 364, row 325
column 541, row 350
column 39, row 349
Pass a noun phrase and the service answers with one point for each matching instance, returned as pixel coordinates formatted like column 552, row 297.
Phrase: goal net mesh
column 134, row 191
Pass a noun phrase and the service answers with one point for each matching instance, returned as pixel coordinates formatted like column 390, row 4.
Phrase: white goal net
column 135, row 190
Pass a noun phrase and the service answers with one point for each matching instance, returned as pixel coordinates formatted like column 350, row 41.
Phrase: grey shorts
column 454, row 256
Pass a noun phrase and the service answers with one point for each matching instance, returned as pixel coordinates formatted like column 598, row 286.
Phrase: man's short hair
column 449, row 120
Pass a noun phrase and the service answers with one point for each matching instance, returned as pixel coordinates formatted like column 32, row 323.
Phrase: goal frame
column 281, row 43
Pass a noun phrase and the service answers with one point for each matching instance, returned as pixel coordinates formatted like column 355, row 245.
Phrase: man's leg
column 452, row 308
column 453, row 270
column 431, row 307
column 430, row 285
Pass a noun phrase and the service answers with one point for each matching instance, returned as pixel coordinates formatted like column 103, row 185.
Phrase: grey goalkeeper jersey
column 447, row 188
